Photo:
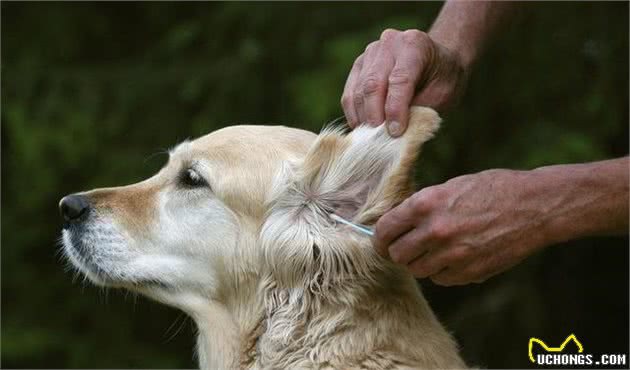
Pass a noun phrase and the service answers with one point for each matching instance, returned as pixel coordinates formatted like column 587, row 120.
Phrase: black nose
column 73, row 206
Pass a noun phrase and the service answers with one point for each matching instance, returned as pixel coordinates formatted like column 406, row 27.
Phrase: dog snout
column 73, row 206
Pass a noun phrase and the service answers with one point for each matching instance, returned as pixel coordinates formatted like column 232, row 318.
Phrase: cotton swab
column 358, row 227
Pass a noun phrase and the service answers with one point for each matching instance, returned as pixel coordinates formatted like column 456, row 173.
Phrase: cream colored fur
column 254, row 259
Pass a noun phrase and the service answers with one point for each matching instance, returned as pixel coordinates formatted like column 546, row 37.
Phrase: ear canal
column 363, row 174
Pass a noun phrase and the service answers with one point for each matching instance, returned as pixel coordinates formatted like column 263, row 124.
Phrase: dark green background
column 91, row 90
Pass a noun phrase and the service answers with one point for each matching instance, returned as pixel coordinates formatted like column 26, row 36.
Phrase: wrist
column 553, row 194
column 464, row 27
column 580, row 200
column 465, row 55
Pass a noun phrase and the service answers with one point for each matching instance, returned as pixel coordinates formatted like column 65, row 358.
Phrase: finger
column 427, row 264
column 374, row 79
column 410, row 246
column 450, row 277
column 393, row 224
column 369, row 55
column 347, row 98
column 463, row 269
column 436, row 260
column 403, row 80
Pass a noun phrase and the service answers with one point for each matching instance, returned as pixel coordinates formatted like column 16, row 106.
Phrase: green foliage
column 90, row 91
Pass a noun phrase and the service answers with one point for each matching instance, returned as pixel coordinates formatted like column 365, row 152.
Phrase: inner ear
column 355, row 192
column 363, row 174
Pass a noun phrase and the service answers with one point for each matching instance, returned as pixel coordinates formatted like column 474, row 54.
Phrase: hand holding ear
column 399, row 70
column 469, row 228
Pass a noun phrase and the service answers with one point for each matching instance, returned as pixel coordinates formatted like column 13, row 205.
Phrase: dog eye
column 191, row 178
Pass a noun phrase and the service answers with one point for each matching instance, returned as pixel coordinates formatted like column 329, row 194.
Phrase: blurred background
column 92, row 91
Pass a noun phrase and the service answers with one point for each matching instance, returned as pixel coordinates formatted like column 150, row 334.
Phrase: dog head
column 240, row 202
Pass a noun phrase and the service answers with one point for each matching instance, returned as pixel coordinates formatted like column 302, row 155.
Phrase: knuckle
column 380, row 229
column 359, row 61
column 459, row 255
column 434, row 195
column 439, row 230
column 400, row 77
column 414, row 37
column 393, row 108
column 396, row 255
column 389, row 34
column 357, row 99
column 418, row 203
column 346, row 100
column 372, row 85
column 371, row 46
column 421, row 270
column 461, row 180
column 433, row 192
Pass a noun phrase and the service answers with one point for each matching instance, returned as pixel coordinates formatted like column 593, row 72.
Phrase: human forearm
column 465, row 27
column 584, row 199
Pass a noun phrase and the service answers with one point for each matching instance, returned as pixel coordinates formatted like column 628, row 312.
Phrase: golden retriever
column 235, row 231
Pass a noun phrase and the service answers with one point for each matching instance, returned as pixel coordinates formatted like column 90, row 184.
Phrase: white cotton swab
column 358, row 227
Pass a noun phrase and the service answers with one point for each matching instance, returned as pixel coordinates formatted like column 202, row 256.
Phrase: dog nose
column 73, row 206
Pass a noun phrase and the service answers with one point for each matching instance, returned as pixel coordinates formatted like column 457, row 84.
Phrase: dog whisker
column 163, row 151
column 179, row 329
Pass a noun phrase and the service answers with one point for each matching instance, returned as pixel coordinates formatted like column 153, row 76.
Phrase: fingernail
column 394, row 128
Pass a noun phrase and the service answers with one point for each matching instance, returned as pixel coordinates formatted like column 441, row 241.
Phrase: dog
column 235, row 231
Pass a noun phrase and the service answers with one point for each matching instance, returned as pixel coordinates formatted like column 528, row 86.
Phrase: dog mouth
column 76, row 251
column 79, row 248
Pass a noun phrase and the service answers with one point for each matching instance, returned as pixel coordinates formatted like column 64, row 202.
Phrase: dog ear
column 365, row 173
column 359, row 176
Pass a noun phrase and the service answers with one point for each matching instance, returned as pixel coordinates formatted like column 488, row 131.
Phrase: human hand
column 399, row 70
column 469, row 228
